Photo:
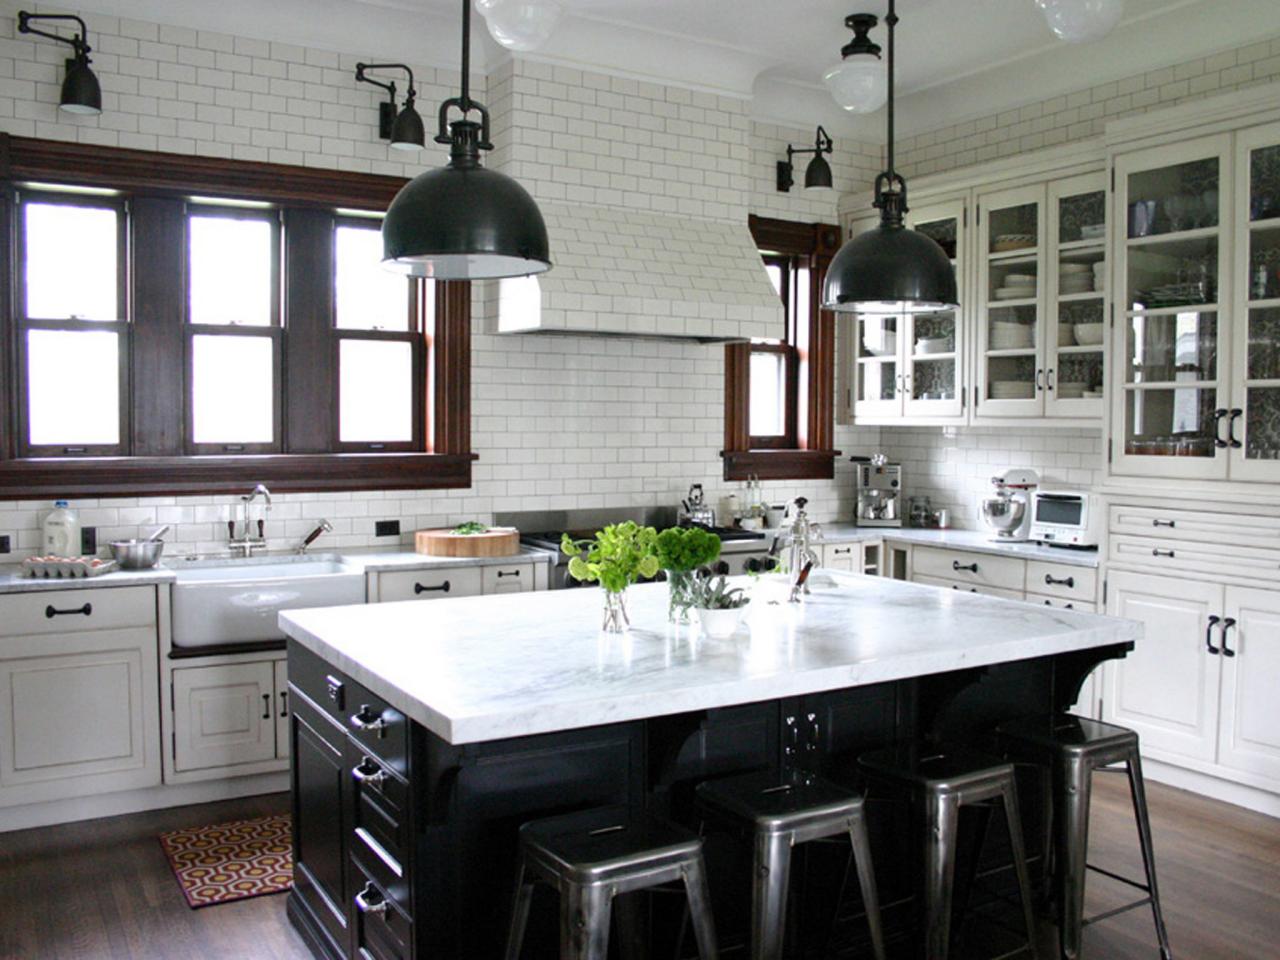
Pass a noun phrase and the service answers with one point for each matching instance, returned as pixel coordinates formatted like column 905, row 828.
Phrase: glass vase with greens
column 618, row 556
column 681, row 551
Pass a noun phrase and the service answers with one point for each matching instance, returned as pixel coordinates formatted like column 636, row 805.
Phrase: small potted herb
column 620, row 555
column 719, row 606
column 681, row 551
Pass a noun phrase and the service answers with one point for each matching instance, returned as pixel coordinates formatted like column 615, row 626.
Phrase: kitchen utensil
column 160, row 533
column 1088, row 334
column 137, row 554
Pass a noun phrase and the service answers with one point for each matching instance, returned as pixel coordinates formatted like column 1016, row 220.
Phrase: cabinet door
column 507, row 578
column 1075, row 291
column 80, row 714
column 1255, row 406
column 223, row 716
column 1167, row 688
column 1249, row 739
column 877, row 346
column 282, row 708
column 1172, row 300
column 933, row 347
column 843, row 556
column 1010, row 300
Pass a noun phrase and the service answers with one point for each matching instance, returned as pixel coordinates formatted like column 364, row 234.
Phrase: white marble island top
column 492, row 667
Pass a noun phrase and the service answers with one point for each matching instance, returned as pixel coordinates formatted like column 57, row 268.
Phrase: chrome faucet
column 323, row 527
column 801, row 557
column 247, row 542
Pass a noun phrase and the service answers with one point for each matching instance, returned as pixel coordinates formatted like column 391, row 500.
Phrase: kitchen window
column 779, row 393
column 193, row 325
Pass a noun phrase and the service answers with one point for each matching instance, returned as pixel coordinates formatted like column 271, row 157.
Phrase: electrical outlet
column 386, row 528
column 88, row 541
column 6, row 543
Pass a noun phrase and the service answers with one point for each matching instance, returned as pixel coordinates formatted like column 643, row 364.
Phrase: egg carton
column 67, row 568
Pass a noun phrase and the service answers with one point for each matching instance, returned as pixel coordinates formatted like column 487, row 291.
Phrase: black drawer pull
column 1208, row 634
column 266, row 706
column 1164, row 523
column 51, row 611
column 508, row 573
column 439, row 588
column 1064, row 582
column 284, row 703
column 957, row 566
column 1157, row 552
column 1227, row 624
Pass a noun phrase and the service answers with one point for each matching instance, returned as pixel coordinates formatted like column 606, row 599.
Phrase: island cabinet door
column 827, row 731
column 321, row 820
column 1249, row 739
column 1167, row 688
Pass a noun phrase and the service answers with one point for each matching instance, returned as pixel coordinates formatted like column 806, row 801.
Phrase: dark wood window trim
column 811, row 343
column 156, row 187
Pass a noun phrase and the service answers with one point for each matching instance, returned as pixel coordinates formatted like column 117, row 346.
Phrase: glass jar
column 680, row 597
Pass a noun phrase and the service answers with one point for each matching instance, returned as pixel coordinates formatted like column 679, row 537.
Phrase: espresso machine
column 877, row 486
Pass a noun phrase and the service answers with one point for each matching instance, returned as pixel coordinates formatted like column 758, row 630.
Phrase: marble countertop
column 11, row 582
column 976, row 541
column 486, row 668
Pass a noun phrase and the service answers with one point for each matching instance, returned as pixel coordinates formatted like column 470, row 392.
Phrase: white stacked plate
column 1076, row 283
column 1012, row 336
column 1066, row 335
column 927, row 345
column 1012, row 390
column 1066, row 268
column 1093, row 231
column 1071, row 389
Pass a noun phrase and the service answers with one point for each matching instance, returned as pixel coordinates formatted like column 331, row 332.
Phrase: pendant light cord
column 466, row 56
column 891, row 21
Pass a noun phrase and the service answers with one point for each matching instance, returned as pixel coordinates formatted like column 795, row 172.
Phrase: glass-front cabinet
column 1075, row 291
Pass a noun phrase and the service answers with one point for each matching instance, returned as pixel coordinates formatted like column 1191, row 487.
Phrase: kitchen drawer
column 1061, row 580
column 507, row 578
column 975, row 569
column 983, row 590
column 382, row 930
column 373, row 725
column 1153, row 553
column 1220, row 529
column 76, row 609
column 1082, row 606
column 381, row 803
column 843, row 556
column 430, row 584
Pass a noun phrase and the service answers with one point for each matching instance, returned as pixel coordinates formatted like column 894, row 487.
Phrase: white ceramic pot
column 719, row 623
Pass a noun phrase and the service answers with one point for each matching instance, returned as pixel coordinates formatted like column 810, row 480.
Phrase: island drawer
column 977, row 569
column 75, row 609
column 1062, row 580
column 382, row 930
column 429, row 584
column 970, row 588
column 507, row 578
column 381, row 801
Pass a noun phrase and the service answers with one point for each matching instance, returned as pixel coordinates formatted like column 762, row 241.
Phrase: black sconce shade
column 80, row 90
column 817, row 174
column 404, row 127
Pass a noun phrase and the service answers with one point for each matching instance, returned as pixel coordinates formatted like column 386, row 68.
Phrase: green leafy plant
column 620, row 554
column 686, row 548
column 470, row 528
column 716, row 594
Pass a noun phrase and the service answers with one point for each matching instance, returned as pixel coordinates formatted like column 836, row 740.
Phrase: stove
column 741, row 551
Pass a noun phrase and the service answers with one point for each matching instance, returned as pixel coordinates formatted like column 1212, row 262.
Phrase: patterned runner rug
column 231, row 861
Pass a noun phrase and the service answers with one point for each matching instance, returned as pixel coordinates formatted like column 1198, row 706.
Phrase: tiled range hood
column 635, row 274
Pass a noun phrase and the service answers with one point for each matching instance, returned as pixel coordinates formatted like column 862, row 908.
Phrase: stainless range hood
column 631, row 273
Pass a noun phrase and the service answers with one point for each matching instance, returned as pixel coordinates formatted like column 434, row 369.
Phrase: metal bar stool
column 781, row 814
column 592, row 856
column 1072, row 748
column 943, row 781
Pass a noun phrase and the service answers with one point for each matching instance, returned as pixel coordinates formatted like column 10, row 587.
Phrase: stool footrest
column 1118, row 910
column 1115, row 876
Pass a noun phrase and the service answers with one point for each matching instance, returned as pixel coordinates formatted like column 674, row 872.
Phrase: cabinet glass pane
column 230, row 271
column 1264, row 344
column 375, row 387
column 1264, row 263
column 1173, row 348
column 1173, row 273
column 878, row 336
column 1262, row 423
column 1017, row 281
column 1079, row 370
column 933, row 348
column 1169, row 422
column 1170, row 199
column 941, row 232
column 877, row 380
column 59, row 238
column 60, row 411
column 367, row 296
column 1014, row 228
column 1011, row 378
column 1011, row 328
column 1082, row 217
column 232, row 389
column 1264, row 183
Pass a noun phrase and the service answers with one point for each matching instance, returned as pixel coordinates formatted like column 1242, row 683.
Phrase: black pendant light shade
column 461, row 221
column 80, row 90
column 890, row 269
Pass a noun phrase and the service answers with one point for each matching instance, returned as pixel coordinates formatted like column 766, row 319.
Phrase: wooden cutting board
column 499, row 542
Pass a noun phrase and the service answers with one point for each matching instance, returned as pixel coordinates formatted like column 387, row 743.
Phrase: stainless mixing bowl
column 137, row 554
column 1003, row 514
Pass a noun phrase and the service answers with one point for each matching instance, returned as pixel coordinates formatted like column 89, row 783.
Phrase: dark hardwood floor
column 102, row 890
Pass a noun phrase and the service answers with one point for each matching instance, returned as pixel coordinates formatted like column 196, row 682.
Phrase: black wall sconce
column 80, row 91
column 404, row 128
column 817, row 174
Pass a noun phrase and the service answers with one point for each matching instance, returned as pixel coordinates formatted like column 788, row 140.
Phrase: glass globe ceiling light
column 461, row 221
column 858, row 82
column 890, row 269
column 1079, row 21
column 520, row 24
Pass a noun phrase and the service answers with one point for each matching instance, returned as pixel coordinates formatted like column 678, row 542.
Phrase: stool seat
column 787, row 803
column 1067, row 733
column 932, row 768
column 607, row 843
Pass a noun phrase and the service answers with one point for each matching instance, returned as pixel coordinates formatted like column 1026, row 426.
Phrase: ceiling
column 956, row 58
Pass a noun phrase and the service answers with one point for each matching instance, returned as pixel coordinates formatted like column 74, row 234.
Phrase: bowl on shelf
column 926, row 345
column 880, row 344
column 1088, row 334
column 1093, row 231
column 1076, row 283
column 1015, row 293
column 1019, row 279
column 1066, row 268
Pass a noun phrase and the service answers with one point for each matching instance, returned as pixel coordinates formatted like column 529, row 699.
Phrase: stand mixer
column 1008, row 510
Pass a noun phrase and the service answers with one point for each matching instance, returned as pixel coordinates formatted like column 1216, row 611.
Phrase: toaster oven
column 1066, row 518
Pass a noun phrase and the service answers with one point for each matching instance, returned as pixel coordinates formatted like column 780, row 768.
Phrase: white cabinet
column 506, row 578
column 1249, row 738
column 78, row 694
column 843, row 556
column 428, row 584
column 229, row 715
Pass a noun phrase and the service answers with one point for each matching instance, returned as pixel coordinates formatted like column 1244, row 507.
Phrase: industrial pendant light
column 461, row 221
column 890, row 269
column 80, row 91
